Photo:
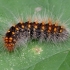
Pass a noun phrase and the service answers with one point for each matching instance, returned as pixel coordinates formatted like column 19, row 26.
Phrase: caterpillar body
column 33, row 30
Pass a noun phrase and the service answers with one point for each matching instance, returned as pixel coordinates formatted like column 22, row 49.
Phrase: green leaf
column 34, row 55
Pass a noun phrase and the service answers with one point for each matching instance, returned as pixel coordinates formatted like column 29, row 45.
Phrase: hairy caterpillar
column 35, row 30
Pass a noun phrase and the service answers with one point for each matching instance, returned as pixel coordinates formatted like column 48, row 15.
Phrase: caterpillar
column 34, row 30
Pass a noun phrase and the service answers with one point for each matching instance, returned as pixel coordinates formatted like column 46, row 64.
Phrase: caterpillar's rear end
column 12, row 36
column 10, row 39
